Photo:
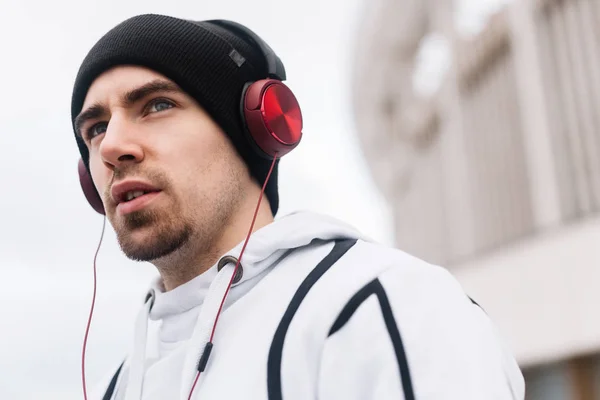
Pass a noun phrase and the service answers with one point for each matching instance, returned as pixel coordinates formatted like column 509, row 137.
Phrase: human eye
column 158, row 105
column 95, row 130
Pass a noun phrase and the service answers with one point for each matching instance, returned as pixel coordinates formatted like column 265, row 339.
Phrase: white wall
column 543, row 293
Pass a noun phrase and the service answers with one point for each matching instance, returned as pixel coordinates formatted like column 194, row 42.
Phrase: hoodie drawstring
column 204, row 326
column 197, row 342
column 138, row 357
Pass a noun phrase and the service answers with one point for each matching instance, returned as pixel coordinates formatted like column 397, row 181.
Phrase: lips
column 130, row 190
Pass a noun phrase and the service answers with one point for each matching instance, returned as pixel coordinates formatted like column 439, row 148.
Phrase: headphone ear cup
column 272, row 116
column 89, row 190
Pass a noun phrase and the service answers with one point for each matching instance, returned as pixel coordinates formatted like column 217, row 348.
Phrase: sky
column 49, row 234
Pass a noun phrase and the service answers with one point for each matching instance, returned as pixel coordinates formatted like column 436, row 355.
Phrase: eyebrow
column 127, row 100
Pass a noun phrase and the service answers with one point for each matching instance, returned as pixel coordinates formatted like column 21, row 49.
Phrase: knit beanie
column 197, row 57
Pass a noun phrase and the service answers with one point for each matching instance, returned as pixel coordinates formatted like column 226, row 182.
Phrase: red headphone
column 269, row 110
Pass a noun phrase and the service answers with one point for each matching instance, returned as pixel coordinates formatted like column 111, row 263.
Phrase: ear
column 89, row 189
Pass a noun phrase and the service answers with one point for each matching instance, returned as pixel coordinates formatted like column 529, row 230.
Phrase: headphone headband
column 275, row 67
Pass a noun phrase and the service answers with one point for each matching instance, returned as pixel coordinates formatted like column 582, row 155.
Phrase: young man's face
column 176, row 175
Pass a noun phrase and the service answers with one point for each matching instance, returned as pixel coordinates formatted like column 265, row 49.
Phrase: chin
column 152, row 241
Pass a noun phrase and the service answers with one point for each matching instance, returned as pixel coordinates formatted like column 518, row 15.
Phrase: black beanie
column 196, row 56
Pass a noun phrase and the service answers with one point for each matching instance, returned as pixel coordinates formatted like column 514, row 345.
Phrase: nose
column 121, row 144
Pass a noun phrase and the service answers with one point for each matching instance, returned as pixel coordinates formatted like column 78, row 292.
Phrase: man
column 311, row 309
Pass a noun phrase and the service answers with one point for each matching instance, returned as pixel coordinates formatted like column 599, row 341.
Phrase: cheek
column 201, row 170
column 200, row 150
column 196, row 153
column 100, row 174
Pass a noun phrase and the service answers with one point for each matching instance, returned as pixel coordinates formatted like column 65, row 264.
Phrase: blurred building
column 496, row 173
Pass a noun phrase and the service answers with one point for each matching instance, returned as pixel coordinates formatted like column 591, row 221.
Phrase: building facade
column 496, row 174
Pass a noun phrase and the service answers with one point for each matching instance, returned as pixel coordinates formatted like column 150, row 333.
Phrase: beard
column 166, row 231
column 169, row 235
column 181, row 229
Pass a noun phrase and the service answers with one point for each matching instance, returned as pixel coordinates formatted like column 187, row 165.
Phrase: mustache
column 154, row 177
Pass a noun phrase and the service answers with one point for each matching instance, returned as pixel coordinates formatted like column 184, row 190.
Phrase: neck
column 187, row 263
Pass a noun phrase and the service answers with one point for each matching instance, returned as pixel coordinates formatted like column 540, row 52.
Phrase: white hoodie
column 320, row 312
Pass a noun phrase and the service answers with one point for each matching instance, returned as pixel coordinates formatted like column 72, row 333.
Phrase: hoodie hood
column 290, row 232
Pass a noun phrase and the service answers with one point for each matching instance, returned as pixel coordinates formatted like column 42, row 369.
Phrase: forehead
column 118, row 80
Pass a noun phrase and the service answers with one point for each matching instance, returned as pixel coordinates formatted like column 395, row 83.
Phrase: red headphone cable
column 87, row 329
column 205, row 354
